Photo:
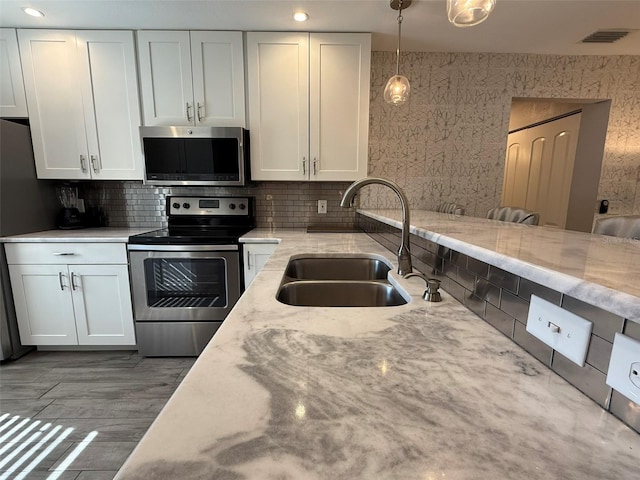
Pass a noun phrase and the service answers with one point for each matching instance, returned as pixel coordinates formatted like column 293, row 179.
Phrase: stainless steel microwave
column 216, row 156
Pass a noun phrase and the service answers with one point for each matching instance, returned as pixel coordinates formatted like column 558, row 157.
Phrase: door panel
column 102, row 304
column 218, row 78
column 43, row 304
column 539, row 169
column 111, row 104
column 279, row 107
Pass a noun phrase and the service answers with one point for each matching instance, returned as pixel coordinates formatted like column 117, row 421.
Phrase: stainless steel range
column 187, row 278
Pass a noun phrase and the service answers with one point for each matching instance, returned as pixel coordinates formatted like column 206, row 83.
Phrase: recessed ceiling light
column 301, row 16
column 33, row 12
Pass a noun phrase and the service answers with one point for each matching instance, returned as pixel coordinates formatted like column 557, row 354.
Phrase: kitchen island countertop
column 419, row 391
column 601, row 270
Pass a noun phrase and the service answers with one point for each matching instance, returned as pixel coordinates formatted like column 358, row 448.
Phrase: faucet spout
column 404, row 253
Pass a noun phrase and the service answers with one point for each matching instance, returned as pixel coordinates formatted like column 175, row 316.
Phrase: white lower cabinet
column 70, row 304
column 255, row 256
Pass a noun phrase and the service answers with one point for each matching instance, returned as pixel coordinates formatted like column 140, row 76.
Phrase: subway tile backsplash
column 502, row 300
column 278, row 204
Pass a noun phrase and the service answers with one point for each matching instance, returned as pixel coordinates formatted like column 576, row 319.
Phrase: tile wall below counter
column 502, row 299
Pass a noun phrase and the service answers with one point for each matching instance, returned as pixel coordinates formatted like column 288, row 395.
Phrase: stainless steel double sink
column 316, row 280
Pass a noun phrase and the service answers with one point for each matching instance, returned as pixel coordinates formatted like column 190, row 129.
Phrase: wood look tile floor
column 78, row 415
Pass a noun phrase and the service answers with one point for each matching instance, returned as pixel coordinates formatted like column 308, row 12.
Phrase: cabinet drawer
column 65, row 253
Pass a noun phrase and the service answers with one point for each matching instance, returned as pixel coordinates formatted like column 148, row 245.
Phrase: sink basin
column 337, row 268
column 331, row 293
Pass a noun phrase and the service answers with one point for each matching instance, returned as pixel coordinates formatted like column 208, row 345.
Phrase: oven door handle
column 182, row 248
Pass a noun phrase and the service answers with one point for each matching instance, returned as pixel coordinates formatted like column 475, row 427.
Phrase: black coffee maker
column 69, row 216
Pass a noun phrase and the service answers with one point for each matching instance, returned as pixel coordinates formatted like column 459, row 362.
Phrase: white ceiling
column 516, row 26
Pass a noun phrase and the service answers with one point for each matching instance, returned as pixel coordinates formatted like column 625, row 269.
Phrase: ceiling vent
column 606, row 36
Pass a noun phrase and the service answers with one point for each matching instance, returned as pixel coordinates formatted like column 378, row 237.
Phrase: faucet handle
column 431, row 294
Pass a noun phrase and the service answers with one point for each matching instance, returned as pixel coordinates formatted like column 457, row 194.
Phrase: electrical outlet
column 624, row 367
column 322, row 206
column 80, row 205
column 562, row 330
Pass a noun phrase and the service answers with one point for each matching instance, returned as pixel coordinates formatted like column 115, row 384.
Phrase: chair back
column 449, row 207
column 624, row 226
column 514, row 214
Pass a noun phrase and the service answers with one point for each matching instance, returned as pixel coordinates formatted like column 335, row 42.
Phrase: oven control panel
column 237, row 206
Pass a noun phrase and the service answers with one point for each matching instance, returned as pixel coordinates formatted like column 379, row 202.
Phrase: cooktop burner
column 203, row 220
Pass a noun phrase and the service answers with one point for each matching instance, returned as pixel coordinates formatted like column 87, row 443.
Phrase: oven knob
column 242, row 206
column 232, row 206
column 176, row 205
column 186, row 205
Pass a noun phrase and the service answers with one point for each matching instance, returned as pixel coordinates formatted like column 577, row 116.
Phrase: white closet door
column 111, row 104
column 165, row 77
column 278, row 71
column 339, row 66
column 218, row 78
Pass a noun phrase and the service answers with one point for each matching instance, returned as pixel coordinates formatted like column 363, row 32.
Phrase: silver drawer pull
column 304, row 165
column 73, row 281
column 199, row 111
column 60, row 280
column 94, row 163
column 83, row 164
column 63, row 254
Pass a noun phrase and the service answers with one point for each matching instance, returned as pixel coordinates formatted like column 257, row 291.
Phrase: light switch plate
column 562, row 330
column 624, row 367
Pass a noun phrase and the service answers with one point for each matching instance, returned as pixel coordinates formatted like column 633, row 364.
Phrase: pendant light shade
column 467, row 13
column 396, row 92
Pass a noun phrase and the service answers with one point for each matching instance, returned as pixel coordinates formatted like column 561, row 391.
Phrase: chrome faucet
column 404, row 254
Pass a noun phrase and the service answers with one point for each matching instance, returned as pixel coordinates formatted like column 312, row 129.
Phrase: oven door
column 179, row 283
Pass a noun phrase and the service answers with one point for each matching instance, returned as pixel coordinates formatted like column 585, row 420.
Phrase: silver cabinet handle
column 315, row 172
column 83, row 164
column 248, row 259
column 63, row 254
column 304, row 165
column 94, row 164
column 188, row 113
column 73, row 282
column 60, row 280
column 198, row 112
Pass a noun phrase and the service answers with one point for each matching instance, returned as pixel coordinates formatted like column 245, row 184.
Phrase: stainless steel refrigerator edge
column 26, row 205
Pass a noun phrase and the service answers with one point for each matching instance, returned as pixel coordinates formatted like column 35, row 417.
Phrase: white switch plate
column 322, row 206
column 562, row 330
column 624, row 367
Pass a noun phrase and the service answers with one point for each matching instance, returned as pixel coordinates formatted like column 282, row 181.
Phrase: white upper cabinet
column 83, row 102
column 192, row 78
column 278, row 87
column 12, row 99
column 308, row 105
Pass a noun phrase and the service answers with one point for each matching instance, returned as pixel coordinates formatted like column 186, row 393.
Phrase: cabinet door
column 44, row 309
column 217, row 60
column 52, row 85
column 111, row 104
column 255, row 256
column 102, row 304
column 165, row 77
column 339, row 72
column 12, row 99
column 278, row 82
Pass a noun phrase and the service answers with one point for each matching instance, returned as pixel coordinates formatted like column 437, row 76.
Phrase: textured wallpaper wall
column 448, row 143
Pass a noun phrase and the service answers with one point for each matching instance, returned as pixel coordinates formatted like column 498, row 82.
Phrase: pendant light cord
column 399, row 35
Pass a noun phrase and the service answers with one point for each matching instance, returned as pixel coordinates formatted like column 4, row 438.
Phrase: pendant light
column 467, row 13
column 397, row 90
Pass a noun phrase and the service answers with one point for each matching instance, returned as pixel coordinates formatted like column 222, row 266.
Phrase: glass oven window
column 184, row 282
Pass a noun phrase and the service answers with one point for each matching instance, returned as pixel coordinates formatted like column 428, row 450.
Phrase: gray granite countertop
column 84, row 235
column 419, row 391
column 597, row 269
